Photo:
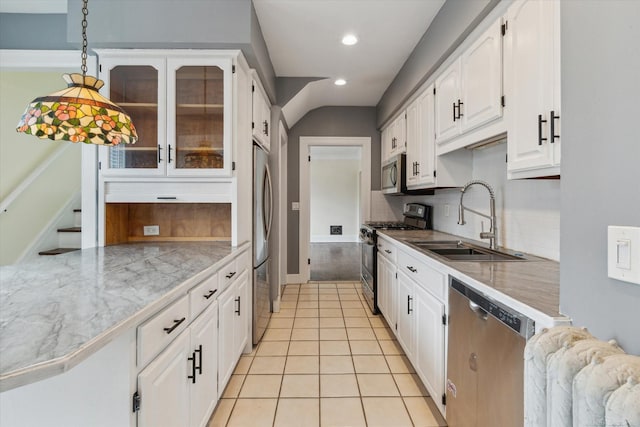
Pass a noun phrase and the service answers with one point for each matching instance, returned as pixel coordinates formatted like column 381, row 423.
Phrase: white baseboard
column 328, row 238
column 293, row 278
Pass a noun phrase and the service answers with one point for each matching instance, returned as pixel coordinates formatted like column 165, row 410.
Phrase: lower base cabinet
column 406, row 326
column 179, row 387
column 233, row 327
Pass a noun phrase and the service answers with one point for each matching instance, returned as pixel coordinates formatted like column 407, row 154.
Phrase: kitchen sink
column 456, row 250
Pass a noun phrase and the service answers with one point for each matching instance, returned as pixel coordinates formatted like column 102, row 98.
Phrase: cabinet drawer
column 202, row 295
column 157, row 332
column 168, row 192
column 227, row 275
column 387, row 249
column 243, row 262
column 430, row 279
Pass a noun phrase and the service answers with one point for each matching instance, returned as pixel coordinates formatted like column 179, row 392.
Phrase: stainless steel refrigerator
column 262, row 218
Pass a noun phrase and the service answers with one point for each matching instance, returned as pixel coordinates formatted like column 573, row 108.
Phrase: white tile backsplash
column 385, row 208
column 528, row 211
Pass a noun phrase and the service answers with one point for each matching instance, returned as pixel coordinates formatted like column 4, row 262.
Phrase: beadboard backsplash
column 528, row 211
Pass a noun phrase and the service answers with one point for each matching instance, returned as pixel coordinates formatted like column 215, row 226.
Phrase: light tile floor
column 326, row 361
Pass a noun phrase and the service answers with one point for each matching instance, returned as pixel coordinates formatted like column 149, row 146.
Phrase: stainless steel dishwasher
column 485, row 362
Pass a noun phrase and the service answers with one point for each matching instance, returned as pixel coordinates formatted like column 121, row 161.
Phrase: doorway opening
column 334, row 195
column 334, row 201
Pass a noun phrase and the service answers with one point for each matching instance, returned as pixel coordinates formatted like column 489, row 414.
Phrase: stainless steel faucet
column 492, row 234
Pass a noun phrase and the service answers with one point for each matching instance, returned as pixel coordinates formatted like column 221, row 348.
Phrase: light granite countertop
column 532, row 286
column 56, row 311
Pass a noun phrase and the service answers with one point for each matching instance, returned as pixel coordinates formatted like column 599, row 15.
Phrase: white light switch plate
column 623, row 258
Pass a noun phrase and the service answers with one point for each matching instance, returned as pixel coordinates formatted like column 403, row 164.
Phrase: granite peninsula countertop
column 56, row 311
column 532, row 286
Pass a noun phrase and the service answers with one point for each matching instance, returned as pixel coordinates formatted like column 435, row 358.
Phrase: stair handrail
column 26, row 183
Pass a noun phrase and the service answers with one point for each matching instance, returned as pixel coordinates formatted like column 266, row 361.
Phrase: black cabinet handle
column 210, row 294
column 411, row 269
column 238, row 310
column 460, row 103
column 230, row 275
column 176, row 323
column 552, row 127
column 540, row 122
column 417, row 168
column 167, row 198
column 265, row 127
column 192, row 359
column 387, row 251
column 454, row 111
column 409, row 309
column 159, row 158
column 170, row 153
column 199, row 367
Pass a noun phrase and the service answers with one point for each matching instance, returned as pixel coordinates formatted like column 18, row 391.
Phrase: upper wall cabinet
column 420, row 141
column 181, row 106
column 425, row 170
column 261, row 117
column 394, row 137
column 469, row 91
column 532, row 76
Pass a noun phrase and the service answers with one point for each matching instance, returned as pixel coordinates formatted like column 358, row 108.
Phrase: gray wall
column 454, row 22
column 18, row 31
column 326, row 121
column 600, row 162
column 150, row 24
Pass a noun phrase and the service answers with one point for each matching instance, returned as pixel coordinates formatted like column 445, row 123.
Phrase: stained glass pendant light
column 79, row 113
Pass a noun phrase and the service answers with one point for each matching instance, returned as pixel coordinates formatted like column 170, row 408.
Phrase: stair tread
column 70, row 230
column 58, row 251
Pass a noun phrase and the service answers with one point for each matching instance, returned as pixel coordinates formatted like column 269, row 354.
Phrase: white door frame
column 305, row 215
column 283, row 140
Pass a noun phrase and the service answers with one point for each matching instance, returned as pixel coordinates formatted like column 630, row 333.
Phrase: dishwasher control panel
column 509, row 317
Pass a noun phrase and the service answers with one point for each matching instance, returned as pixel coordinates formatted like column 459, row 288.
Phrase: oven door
column 367, row 274
column 393, row 175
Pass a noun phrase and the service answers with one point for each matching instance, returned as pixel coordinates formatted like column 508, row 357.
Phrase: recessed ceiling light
column 340, row 82
column 349, row 40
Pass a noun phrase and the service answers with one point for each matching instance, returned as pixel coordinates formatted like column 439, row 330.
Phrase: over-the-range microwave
column 394, row 180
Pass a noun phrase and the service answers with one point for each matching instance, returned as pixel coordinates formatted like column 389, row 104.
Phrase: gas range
column 416, row 217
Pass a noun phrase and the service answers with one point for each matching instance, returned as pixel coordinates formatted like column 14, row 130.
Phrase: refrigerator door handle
column 269, row 183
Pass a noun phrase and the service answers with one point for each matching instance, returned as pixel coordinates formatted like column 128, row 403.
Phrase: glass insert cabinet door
column 139, row 88
column 181, row 108
column 199, row 116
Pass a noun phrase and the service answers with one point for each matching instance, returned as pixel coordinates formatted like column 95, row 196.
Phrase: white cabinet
column 406, row 318
column 204, row 366
column 421, row 319
column 421, row 141
column 532, row 77
column 430, row 342
column 181, row 105
column 165, row 387
column 233, row 327
column 179, row 387
column 394, row 139
column 448, row 103
column 261, row 117
column 387, row 288
column 469, row 91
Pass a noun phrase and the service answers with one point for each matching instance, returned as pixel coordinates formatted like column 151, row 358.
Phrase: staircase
column 69, row 238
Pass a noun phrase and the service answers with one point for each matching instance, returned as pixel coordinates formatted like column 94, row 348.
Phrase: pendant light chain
column 85, row 12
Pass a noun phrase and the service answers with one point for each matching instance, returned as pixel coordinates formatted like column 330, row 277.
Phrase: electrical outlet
column 446, row 210
column 151, row 230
